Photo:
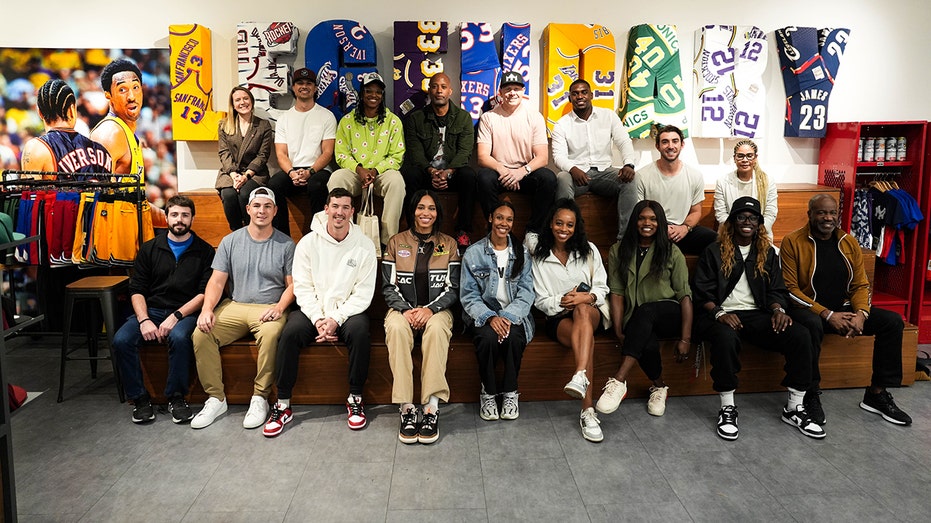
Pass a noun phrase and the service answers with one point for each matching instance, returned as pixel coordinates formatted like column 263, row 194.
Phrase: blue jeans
column 180, row 351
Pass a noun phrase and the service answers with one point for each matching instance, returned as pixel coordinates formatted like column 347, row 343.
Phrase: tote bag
column 367, row 220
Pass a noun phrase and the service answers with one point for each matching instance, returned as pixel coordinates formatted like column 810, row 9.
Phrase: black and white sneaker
column 429, row 428
column 180, row 411
column 409, row 427
column 885, row 406
column 812, row 403
column 802, row 421
column 727, row 422
column 143, row 412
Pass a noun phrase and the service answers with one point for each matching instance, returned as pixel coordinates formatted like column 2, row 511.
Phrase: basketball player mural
column 122, row 84
column 61, row 148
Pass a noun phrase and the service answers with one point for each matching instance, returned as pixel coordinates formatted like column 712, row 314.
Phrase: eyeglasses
column 744, row 218
column 745, row 156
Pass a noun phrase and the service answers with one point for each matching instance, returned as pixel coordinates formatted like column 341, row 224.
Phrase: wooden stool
column 104, row 289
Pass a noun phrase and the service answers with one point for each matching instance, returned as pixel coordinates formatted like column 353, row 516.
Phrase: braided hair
column 54, row 100
column 762, row 180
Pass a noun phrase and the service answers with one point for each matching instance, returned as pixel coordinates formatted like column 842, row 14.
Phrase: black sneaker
column 429, row 428
column 142, row 409
column 802, row 421
column 812, row 403
column 180, row 411
column 885, row 406
column 727, row 423
column 410, row 429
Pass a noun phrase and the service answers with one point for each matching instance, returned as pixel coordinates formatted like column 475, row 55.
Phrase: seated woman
column 245, row 141
column 650, row 298
column 496, row 292
column 571, row 286
column 747, row 180
column 420, row 275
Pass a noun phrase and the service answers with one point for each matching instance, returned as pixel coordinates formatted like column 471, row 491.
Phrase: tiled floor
column 83, row 460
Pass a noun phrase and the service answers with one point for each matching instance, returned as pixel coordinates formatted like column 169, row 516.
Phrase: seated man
column 334, row 280
column 304, row 139
column 512, row 153
column 256, row 261
column 823, row 267
column 679, row 188
column 582, row 142
column 740, row 295
column 166, row 290
column 369, row 150
column 439, row 139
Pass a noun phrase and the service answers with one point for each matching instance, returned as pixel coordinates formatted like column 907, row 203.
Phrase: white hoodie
column 333, row 279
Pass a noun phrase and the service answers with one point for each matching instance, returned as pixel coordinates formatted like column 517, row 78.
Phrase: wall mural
column 192, row 114
column 24, row 70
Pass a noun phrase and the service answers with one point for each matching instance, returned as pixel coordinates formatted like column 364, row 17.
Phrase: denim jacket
column 478, row 288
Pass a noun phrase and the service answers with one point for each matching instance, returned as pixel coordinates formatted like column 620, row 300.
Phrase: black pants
column 696, row 241
column 794, row 343
column 540, row 183
column 887, row 328
column 281, row 185
column 647, row 324
column 462, row 183
column 489, row 351
column 299, row 332
column 234, row 204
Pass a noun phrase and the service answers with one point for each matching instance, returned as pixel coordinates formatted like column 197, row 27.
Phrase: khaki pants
column 235, row 320
column 435, row 348
column 389, row 185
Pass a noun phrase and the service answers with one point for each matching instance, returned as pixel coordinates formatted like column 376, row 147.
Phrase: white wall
column 882, row 76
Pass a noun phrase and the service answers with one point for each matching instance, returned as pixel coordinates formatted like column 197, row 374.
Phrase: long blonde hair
column 231, row 121
column 762, row 180
column 728, row 250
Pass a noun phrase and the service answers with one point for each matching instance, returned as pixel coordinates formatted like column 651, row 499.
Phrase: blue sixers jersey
column 75, row 153
column 476, row 89
column 515, row 51
column 478, row 47
column 808, row 76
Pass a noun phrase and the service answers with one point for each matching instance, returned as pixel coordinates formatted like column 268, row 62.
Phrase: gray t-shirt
column 257, row 270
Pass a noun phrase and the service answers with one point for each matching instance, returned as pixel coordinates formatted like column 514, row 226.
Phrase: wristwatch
column 778, row 309
column 527, row 168
column 178, row 315
column 630, row 165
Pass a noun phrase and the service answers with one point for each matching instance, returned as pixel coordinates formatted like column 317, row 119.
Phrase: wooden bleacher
column 546, row 365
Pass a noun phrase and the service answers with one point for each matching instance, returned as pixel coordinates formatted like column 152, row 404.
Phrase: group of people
column 318, row 291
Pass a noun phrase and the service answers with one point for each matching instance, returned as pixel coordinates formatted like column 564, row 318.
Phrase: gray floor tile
column 438, row 516
column 377, row 442
column 738, row 508
column 836, row 507
column 48, row 518
column 698, row 475
column 524, row 489
column 787, row 468
column 530, row 436
column 426, row 482
column 341, row 491
column 265, row 516
column 669, row 511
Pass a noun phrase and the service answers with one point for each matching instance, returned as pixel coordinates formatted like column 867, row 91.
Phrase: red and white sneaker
column 278, row 418
column 356, row 412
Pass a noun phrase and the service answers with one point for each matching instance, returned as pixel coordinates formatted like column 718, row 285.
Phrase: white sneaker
column 257, row 414
column 488, row 407
column 577, row 386
column 656, row 405
column 591, row 426
column 614, row 393
column 213, row 409
column 509, row 406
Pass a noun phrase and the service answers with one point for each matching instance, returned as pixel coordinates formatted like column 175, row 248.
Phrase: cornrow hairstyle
column 762, row 180
column 54, row 100
column 116, row 67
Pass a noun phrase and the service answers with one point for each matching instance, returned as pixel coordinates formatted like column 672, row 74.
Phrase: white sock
column 405, row 406
column 354, row 398
column 796, row 398
column 727, row 398
column 434, row 403
column 285, row 403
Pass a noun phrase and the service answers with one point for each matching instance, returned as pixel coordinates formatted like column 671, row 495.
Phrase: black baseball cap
column 746, row 204
column 304, row 74
column 512, row 77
